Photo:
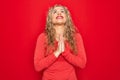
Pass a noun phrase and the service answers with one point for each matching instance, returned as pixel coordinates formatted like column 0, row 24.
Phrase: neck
column 59, row 29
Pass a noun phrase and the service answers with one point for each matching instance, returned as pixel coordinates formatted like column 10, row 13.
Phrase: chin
column 59, row 23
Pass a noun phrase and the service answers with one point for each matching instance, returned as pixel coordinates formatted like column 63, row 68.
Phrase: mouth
column 59, row 17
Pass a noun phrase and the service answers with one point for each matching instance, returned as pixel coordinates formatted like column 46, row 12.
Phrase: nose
column 58, row 13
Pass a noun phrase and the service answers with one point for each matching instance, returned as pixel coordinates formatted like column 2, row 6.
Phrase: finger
column 59, row 46
column 61, row 37
column 62, row 43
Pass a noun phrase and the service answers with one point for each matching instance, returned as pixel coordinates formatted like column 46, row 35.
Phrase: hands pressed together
column 61, row 46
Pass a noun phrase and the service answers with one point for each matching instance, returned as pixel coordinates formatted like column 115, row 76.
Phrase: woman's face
column 58, row 16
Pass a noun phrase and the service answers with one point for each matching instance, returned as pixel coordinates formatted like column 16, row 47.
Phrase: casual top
column 62, row 67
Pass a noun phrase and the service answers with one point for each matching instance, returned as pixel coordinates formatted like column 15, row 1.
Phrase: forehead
column 58, row 8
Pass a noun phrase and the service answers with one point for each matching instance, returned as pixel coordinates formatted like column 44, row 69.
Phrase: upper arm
column 40, row 48
column 80, row 47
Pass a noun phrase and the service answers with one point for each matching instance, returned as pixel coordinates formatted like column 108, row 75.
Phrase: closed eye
column 54, row 11
column 62, row 11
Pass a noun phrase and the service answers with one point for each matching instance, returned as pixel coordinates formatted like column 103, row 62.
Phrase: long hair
column 69, row 30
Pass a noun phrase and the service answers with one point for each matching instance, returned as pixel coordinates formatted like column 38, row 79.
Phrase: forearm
column 78, row 61
column 43, row 63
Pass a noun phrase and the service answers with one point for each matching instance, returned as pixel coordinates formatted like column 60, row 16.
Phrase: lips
column 59, row 17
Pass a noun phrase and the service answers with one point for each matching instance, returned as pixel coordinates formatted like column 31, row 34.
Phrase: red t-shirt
column 62, row 67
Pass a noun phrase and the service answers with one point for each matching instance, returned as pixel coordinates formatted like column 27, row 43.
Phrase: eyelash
column 62, row 11
column 56, row 12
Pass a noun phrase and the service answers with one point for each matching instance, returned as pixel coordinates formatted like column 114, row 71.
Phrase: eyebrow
column 56, row 10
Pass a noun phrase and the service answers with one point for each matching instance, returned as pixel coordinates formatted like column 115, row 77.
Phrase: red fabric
column 61, row 68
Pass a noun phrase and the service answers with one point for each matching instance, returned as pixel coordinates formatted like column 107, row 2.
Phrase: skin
column 58, row 16
column 58, row 20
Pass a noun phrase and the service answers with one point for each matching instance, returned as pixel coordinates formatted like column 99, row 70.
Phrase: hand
column 61, row 46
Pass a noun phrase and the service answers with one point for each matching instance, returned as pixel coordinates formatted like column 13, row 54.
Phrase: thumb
column 61, row 37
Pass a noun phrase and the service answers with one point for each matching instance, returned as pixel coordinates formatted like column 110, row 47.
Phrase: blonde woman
column 59, row 48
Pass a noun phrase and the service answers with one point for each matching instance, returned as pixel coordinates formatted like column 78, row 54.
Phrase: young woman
column 60, row 48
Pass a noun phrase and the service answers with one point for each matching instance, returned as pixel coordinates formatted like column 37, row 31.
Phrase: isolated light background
column 22, row 22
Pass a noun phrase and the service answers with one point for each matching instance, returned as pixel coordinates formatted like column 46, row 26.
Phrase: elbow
column 83, row 64
column 37, row 67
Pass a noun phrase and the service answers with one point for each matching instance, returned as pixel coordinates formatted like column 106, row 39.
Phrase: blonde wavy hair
column 69, row 30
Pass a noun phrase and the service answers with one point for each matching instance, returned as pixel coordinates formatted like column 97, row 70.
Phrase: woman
column 60, row 48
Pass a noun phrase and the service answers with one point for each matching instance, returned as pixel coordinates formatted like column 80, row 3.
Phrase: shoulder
column 42, row 37
column 78, row 36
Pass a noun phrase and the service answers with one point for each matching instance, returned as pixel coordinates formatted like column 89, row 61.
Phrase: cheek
column 53, row 17
column 65, row 17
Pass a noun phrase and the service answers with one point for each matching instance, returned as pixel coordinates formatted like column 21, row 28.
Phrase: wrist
column 56, row 53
